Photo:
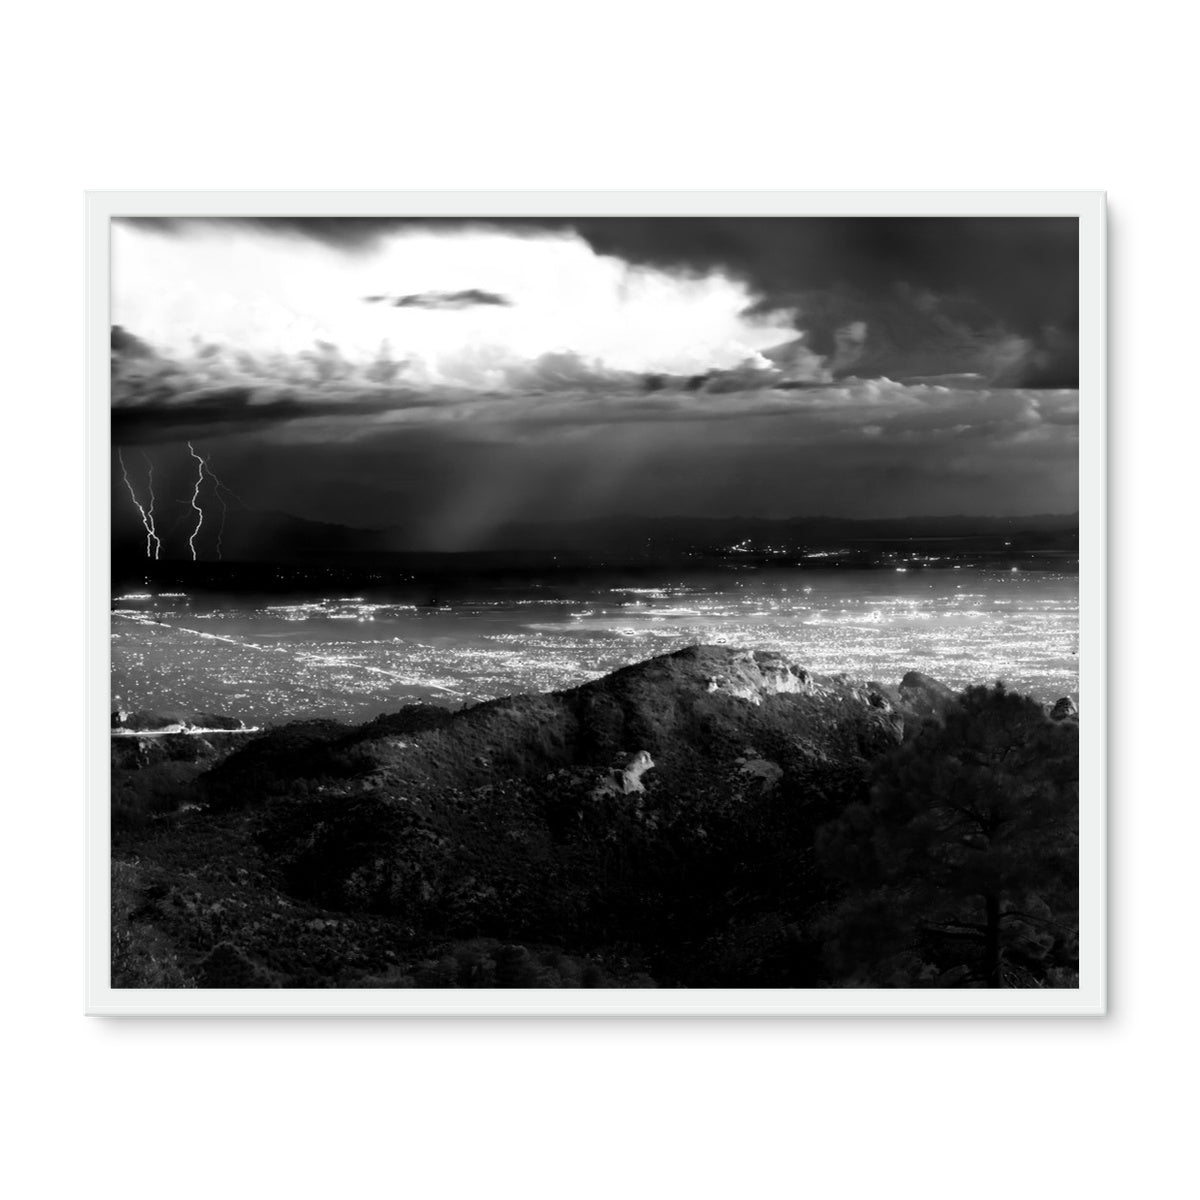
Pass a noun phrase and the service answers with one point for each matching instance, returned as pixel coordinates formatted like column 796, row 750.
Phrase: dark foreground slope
column 687, row 821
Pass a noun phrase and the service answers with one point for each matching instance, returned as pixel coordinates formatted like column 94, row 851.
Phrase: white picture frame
column 1089, row 999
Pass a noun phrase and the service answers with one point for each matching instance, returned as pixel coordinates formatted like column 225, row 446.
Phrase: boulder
column 763, row 771
column 626, row 779
column 924, row 698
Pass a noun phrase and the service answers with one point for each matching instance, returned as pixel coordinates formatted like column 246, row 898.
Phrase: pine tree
column 962, row 866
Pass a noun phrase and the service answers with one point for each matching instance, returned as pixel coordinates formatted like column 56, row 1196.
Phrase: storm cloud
column 547, row 370
column 996, row 296
column 158, row 396
column 468, row 298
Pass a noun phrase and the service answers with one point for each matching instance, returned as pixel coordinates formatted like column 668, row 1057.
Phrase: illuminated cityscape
column 353, row 657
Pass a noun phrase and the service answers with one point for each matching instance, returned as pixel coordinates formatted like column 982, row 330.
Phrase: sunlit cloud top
column 461, row 302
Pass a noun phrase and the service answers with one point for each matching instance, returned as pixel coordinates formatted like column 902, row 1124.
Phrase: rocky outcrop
column 626, row 778
column 139, row 721
column 144, row 739
column 922, row 698
column 755, row 675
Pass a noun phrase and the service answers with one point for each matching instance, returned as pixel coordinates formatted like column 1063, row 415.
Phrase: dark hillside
column 689, row 710
column 658, row 825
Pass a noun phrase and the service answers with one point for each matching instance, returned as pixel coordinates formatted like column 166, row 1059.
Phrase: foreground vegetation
column 791, row 831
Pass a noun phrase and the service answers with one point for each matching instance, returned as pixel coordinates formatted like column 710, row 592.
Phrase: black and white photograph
column 651, row 603
column 604, row 597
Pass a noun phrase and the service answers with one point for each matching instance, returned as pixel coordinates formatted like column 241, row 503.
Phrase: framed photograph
column 596, row 603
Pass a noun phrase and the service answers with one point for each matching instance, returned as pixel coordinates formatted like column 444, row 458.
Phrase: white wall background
column 624, row 95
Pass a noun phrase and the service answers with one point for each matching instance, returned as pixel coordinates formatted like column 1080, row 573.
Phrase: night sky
column 449, row 378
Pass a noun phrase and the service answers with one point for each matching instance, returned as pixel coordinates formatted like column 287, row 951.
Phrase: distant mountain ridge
column 251, row 536
column 630, row 531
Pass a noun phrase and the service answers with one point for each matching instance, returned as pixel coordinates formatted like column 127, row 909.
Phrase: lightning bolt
column 220, row 491
column 224, row 513
column 151, row 535
column 153, row 542
column 196, row 499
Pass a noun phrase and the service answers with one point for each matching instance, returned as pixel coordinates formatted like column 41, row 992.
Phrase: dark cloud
column 124, row 344
column 1019, row 273
column 858, row 449
column 452, row 468
column 469, row 298
column 903, row 332
column 227, row 410
column 220, row 389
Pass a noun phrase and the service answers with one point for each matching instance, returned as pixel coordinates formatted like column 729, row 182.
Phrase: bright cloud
column 270, row 295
